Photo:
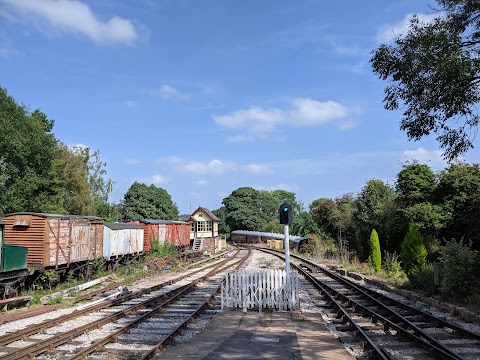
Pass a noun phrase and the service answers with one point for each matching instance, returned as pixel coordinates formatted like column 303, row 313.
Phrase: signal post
column 285, row 213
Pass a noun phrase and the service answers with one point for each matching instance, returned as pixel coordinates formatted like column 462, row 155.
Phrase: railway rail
column 394, row 330
column 169, row 306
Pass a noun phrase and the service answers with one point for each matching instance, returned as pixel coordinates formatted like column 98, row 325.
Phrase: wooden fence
column 252, row 289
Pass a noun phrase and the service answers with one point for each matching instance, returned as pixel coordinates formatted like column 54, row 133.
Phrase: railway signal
column 285, row 212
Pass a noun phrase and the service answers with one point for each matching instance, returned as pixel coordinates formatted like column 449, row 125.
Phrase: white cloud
column 256, row 122
column 202, row 183
column 169, row 92
column 156, row 179
column 76, row 17
column 213, row 167
column 130, row 103
column 285, row 187
column 390, row 31
column 432, row 158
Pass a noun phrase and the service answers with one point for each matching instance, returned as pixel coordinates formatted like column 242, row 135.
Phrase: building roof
column 155, row 221
column 61, row 216
column 206, row 211
column 121, row 226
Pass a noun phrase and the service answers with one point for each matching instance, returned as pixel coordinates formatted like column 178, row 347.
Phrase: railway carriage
column 272, row 240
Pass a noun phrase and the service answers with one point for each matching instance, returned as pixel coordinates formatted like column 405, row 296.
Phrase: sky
column 204, row 97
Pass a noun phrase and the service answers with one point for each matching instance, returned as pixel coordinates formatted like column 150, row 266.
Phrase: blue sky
column 204, row 97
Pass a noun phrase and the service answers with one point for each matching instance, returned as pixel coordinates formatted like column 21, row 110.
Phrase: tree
column 375, row 209
column 456, row 191
column 375, row 254
column 249, row 209
column 148, row 202
column 415, row 183
column 434, row 73
column 27, row 150
column 221, row 214
column 69, row 183
column 413, row 252
column 100, row 186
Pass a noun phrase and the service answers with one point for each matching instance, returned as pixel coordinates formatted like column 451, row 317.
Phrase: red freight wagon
column 55, row 240
column 176, row 233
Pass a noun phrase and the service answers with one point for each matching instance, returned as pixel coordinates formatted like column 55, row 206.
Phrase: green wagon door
column 14, row 258
column 11, row 257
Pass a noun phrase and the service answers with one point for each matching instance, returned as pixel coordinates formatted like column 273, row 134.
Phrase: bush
column 163, row 250
column 375, row 255
column 391, row 264
column 422, row 279
column 461, row 274
column 413, row 252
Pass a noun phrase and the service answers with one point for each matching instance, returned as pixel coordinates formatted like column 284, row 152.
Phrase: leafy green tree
column 69, row 182
column 288, row 197
column 461, row 271
column 27, row 150
column 434, row 74
column 221, row 214
column 148, row 202
column 456, row 191
column 304, row 225
column 375, row 254
column 100, row 186
column 375, row 209
column 249, row 209
column 415, row 183
column 413, row 252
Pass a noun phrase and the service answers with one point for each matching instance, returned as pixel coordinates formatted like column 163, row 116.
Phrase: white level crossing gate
column 260, row 289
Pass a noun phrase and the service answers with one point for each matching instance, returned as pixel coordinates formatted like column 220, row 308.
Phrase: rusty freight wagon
column 122, row 242
column 176, row 233
column 55, row 241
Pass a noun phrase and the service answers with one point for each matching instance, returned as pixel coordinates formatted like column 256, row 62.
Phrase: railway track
column 382, row 327
column 142, row 321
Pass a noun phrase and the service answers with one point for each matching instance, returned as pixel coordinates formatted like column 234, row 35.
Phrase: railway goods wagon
column 13, row 265
column 55, row 241
column 176, row 233
column 122, row 242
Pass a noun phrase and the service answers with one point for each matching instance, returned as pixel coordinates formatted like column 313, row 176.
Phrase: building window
column 201, row 226
column 208, row 226
column 192, row 227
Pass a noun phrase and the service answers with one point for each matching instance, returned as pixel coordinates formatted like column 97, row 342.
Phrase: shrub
column 413, row 252
column 391, row 263
column 163, row 250
column 422, row 279
column 461, row 274
column 375, row 255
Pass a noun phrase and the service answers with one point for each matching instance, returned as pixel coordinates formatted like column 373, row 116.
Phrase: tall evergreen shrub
column 375, row 254
column 413, row 252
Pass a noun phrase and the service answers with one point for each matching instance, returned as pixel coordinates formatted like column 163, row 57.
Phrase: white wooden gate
column 251, row 289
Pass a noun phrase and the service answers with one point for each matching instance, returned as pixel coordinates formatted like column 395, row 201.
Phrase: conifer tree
column 375, row 255
column 413, row 252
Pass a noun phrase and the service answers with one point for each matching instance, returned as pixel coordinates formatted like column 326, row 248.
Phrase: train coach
column 267, row 238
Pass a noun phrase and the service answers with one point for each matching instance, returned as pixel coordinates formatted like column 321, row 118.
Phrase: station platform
column 234, row 335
